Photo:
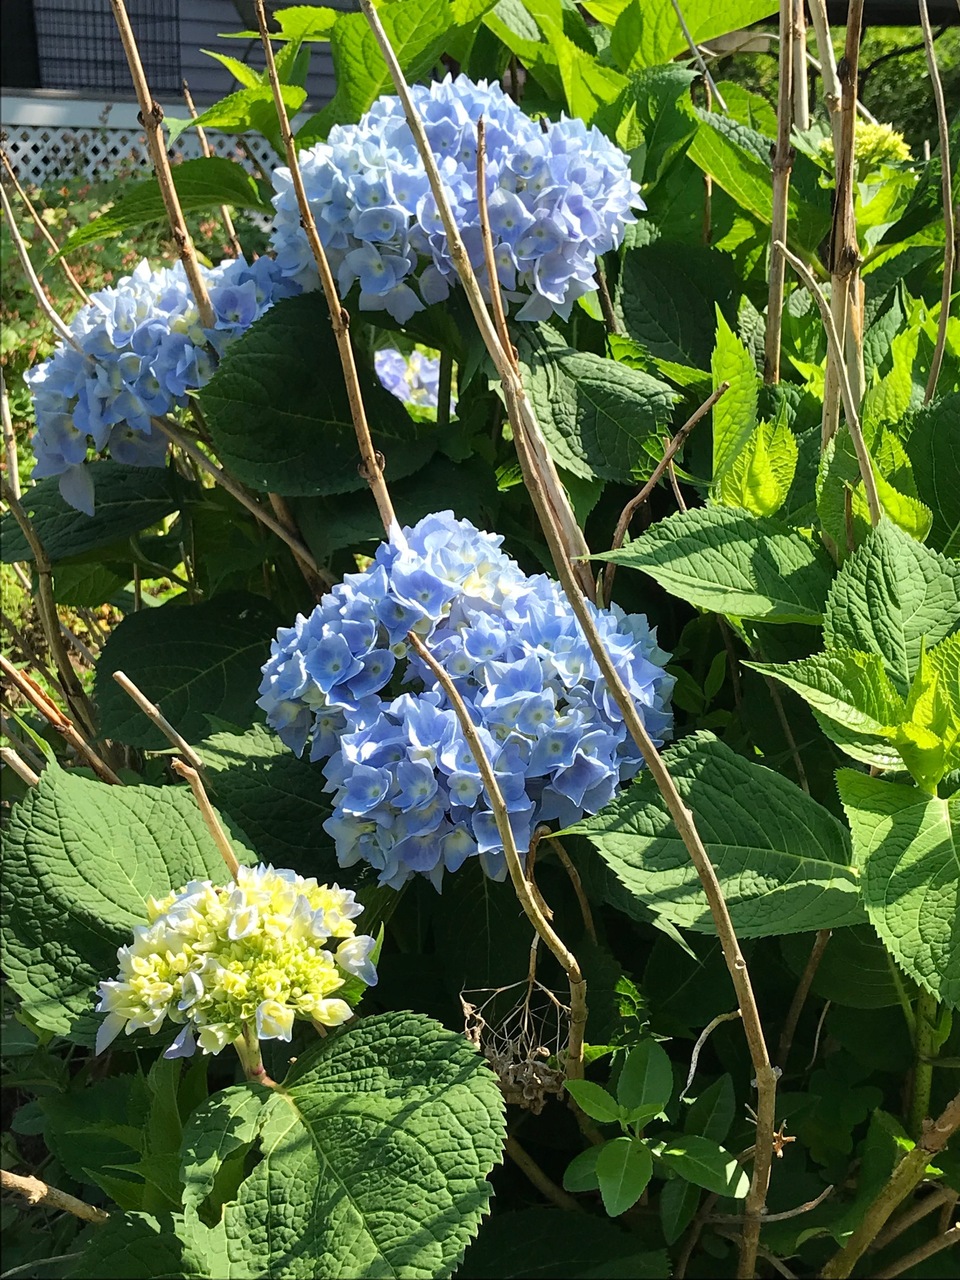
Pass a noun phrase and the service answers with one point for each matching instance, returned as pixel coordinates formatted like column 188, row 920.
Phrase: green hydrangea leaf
column 782, row 860
column 890, row 597
column 133, row 1246
column 81, row 860
column 735, row 413
column 375, row 1156
column 128, row 499
column 274, row 796
column 282, row 424
column 934, row 450
column 760, row 476
column 733, row 563
column 194, row 661
column 905, row 843
column 852, row 695
column 855, row 971
column 600, row 418
column 222, row 1127
column 929, row 738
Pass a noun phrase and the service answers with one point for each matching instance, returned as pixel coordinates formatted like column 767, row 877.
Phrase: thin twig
column 906, row 1176
column 611, row 323
column 316, row 581
column 782, row 167
column 574, row 874
column 24, row 748
column 151, row 117
column 496, row 298
column 9, row 441
column 917, row 1211
column 920, row 1254
column 36, row 1192
column 800, row 995
column 827, row 66
column 672, row 477
column 225, row 216
column 671, row 451
column 372, row 461
column 791, row 741
column 949, row 219
column 779, row 1217
column 51, row 712
column 698, row 56
column 76, row 698
column 154, row 713
column 209, row 816
column 816, row 1038
column 60, row 327
column 236, row 490
column 19, row 766
column 522, row 886
column 30, row 654
column 701, row 1041
column 850, row 409
column 38, row 222
column 801, row 99
column 548, row 1188
column 846, row 294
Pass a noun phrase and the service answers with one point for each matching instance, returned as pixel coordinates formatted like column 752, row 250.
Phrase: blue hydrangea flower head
column 414, row 379
column 407, row 794
column 559, row 196
column 142, row 349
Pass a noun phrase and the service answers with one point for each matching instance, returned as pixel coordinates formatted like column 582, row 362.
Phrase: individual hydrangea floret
column 559, row 195
column 142, row 350
column 407, row 792
column 245, row 959
column 414, row 379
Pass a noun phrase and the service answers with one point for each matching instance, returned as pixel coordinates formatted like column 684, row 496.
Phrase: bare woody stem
column 372, row 461
column 153, row 713
column 850, row 408
column 151, row 117
column 220, row 838
column 496, row 301
column 905, row 1178
column 225, row 216
column 77, row 700
column 948, row 1240
column 949, row 218
column 550, row 500
column 635, row 503
column 19, row 766
column 846, row 294
column 44, row 230
column 782, row 167
column 827, row 66
column 522, row 886
column 36, row 1192
column 52, row 713
column 800, row 995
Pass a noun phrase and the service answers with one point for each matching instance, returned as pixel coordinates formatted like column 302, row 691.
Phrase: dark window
column 79, row 46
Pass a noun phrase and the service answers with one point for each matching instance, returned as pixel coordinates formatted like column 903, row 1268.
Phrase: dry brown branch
column 19, row 766
column 60, row 327
column 949, row 215
column 916, row 1213
column 782, row 168
column 154, row 713
column 635, row 503
column 225, row 215
column 372, row 461
column 801, row 993
column 36, row 1192
column 151, row 117
column 52, row 713
column 213, row 824
column 9, row 441
column 546, row 1186
column 945, row 1241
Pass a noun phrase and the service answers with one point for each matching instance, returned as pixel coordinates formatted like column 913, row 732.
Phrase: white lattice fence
column 49, row 142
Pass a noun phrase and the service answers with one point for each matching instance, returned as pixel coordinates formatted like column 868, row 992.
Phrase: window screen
column 79, row 46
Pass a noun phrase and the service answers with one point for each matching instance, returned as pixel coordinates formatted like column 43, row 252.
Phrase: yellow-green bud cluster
column 874, row 145
column 254, row 954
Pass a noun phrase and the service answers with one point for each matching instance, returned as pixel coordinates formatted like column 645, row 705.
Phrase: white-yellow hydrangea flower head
column 874, row 145
column 249, row 957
